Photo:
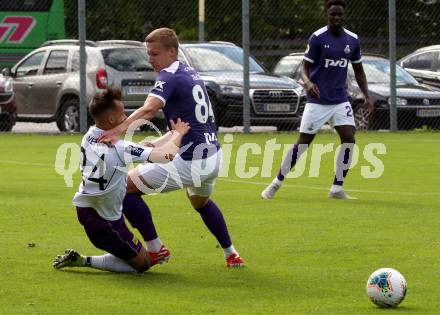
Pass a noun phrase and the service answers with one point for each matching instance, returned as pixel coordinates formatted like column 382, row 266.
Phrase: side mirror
column 7, row 72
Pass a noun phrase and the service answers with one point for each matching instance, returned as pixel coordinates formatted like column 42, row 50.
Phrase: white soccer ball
column 386, row 287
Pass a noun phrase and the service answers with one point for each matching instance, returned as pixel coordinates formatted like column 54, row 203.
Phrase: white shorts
column 197, row 176
column 316, row 115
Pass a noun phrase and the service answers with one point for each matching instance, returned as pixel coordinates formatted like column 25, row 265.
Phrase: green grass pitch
column 305, row 254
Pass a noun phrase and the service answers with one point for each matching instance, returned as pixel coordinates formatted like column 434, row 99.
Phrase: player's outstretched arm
column 151, row 106
column 169, row 149
column 311, row 87
column 159, row 141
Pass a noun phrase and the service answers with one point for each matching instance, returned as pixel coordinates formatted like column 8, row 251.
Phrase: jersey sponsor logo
column 159, row 85
column 326, row 46
column 347, row 49
column 342, row 63
column 136, row 151
column 195, row 77
column 15, row 29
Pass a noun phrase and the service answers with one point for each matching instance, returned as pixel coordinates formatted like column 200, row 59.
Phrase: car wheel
column 6, row 123
column 361, row 117
column 68, row 117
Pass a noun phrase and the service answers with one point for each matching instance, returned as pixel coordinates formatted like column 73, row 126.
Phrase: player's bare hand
column 368, row 105
column 180, row 126
column 312, row 89
column 109, row 137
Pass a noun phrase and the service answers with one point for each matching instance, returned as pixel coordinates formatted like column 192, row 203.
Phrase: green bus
column 26, row 24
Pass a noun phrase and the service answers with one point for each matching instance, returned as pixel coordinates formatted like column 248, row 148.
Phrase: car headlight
column 301, row 91
column 231, row 89
column 8, row 86
column 399, row 101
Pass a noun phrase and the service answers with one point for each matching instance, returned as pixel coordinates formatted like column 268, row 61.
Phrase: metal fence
column 48, row 88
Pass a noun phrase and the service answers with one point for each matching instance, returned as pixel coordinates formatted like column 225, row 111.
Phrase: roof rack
column 120, row 42
column 67, row 42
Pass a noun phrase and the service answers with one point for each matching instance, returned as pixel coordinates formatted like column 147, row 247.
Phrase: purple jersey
column 330, row 56
column 184, row 96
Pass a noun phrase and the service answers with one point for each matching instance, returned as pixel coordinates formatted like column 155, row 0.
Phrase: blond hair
column 165, row 36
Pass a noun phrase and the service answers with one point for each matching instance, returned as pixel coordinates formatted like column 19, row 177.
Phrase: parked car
column 417, row 104
column 424, row 65
column 8, row 110
column 46, row 81
column 274, row 100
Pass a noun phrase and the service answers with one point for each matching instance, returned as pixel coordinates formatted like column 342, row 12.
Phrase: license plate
column 277, row 107
column 428, row 112
column 138, row 89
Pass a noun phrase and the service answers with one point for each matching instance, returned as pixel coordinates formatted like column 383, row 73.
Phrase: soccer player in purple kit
column 99, row 199
column 324, row 72
column 179, row 92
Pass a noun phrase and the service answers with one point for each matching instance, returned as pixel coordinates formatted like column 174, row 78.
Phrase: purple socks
column 139, row 215
column 215, row 222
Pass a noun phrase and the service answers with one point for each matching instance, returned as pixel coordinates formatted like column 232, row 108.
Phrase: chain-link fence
column 45, row 86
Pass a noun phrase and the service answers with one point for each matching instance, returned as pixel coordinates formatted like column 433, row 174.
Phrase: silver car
column 46, row 81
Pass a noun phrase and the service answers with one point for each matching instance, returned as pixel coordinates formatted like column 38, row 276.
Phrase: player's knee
column 142, row 262
column 141, row 265
column 198, row 202
column 348, row 139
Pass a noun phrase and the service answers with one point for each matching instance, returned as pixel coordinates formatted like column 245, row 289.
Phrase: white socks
column 335, row 188
column 154, row 245
column 228, row 251
column 110, row 263
column 276, row 181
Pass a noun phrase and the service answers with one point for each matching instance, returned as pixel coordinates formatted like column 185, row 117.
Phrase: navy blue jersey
column 184, row 96
column 330, row 55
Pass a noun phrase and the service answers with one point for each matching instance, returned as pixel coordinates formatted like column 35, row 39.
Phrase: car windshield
column 220, row 58
column 378, row 71
column 126, row 59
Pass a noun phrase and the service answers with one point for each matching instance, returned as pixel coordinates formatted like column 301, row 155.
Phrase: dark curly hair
column 329, row 3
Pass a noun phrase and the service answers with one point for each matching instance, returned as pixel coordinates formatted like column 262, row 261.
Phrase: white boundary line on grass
column 326, row 189
column 248, row 182
column 24, row 163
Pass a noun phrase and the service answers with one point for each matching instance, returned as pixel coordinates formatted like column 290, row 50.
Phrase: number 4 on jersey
column 98, row 166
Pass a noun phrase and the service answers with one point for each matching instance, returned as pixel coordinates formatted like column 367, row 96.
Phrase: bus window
column 26, row 5
column 26, row 24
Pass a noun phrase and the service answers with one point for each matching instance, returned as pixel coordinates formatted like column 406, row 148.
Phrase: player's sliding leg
column 126, row 252
column 215, row 222
column 107, row 262
column 344, row 159
column 139, row 215
column 288, row 163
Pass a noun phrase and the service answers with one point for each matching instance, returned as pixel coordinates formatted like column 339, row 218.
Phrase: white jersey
column 104, row 174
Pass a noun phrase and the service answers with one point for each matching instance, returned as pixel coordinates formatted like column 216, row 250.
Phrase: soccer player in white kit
column 324, row 72
column 104, row 177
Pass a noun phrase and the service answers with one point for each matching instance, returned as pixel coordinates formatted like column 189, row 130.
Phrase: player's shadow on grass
column 146, row 275
column 245, row 278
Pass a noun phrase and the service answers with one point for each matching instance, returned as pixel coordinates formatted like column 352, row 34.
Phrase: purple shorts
column 112, row 236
